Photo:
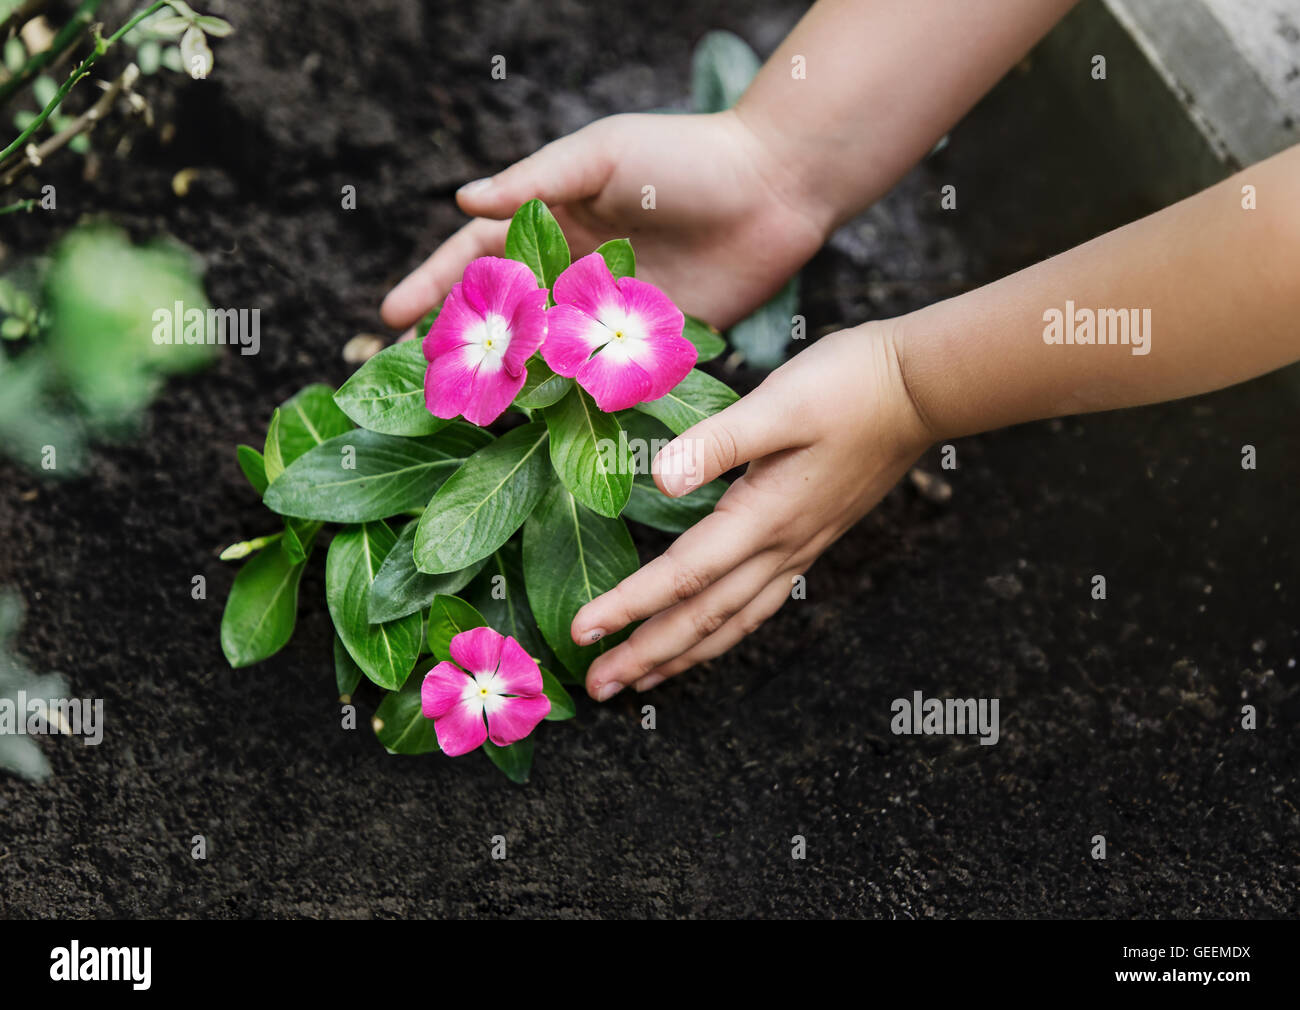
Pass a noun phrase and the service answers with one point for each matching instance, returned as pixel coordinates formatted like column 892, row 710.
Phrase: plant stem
column 85, row 123
column 102, row 45
column 14, row 208
column 67, row 35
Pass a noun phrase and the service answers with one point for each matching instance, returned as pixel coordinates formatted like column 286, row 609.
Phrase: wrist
column 914, row 419
column 784, row 174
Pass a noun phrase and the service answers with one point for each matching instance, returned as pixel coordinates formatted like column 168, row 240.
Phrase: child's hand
column 725, row 233
column 826, row 436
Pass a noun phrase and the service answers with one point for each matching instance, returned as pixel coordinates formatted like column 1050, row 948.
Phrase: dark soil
column 1119, row 717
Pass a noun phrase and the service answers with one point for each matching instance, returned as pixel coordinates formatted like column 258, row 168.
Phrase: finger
column 754, row 426
column 740, row 527
column 679, row 629
column 571, row 168
column 745, row 623
column 427, row 285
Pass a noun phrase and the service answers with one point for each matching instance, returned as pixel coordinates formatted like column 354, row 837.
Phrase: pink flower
column 494, row 318
column 622, row 340
column 496, row 679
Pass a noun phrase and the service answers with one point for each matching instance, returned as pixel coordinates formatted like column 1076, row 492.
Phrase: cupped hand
column 719, row 231
column 825, row 436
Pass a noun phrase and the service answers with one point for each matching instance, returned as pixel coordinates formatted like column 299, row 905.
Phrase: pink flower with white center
column 494, row 318
column 493, row 691
column 621, row 339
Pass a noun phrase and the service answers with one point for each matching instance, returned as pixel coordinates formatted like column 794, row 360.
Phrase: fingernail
column 645, row 683
column 608, row 690
column 671, row 471
column 595, row 635
column 477, row 186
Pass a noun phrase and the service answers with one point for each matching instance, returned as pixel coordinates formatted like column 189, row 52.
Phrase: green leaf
column 516, row 761
column 534, row 238
column 400, row 724
column 499, row 595
column 708, row 341
column 347, row 675
column 448, row 617
column 400, row 588
column 303, row 421
column 386, row 394
column 562, row 706
column 361, row 475
column 619, row 257
column 262, row 608
column 764, row 336
column 298, row 535
column 722, row 68
column 589, row 453
column 571, row 556
column 651, row 507
column 387, row 652
column 253, row 464
column 483, row 502
column 218, row 28
column 696, row 397
column 542, row 387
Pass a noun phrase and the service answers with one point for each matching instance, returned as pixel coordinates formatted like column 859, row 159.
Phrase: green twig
column 14, row 208
column 102, row 45
column 67, row 35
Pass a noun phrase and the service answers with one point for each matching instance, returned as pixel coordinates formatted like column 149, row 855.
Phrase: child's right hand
column 726, row 229
column 826, row 436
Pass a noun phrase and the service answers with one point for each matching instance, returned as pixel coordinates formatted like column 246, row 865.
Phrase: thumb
column 565, row 170
column 754, row 426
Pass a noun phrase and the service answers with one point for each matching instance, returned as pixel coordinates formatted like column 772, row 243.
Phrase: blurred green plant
column 722, row 68
column 85, row 361
column 20, row 754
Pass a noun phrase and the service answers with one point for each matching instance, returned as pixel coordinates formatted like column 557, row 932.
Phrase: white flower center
column 625, row 333
column 488, row 340
column 482, row 691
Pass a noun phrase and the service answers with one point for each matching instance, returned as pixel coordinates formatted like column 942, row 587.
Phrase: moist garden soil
column 1119, row 717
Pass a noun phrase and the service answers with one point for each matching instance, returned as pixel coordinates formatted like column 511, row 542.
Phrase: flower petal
column 448, row 331
column 509, row 720
column 571, row 336
column 664, row 353
column 478, row 650
column 494, row 284
column 588, row 284
column 491, row 394
column 614, row 380
column 448, row 383
column 441, row 690
column 528, row 328
column 461, row 729
column 518, row 672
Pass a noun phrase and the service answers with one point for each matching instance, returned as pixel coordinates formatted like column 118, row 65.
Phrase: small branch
column 14, row 208
column 26, row 11
column 85, row 123
column 67, row 35
column 102, row 45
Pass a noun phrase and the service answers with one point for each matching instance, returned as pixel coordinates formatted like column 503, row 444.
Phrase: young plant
column 479, row 480
column 147, row 29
